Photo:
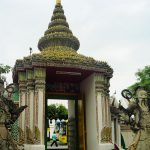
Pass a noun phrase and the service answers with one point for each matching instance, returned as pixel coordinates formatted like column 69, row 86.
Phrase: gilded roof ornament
column 58, row 1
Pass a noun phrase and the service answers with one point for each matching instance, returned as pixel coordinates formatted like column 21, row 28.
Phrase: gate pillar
column 98, row 125
column 22, row 100
column 40, row 75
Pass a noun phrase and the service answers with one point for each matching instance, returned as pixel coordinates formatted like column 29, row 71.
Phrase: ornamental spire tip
column 58, row 1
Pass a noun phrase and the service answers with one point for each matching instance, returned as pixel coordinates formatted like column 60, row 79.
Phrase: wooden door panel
column 81, row 124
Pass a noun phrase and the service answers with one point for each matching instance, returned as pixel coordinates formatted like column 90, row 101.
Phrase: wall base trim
column 34, row 147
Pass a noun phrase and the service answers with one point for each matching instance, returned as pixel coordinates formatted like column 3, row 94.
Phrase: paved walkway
column 60, row 147
column 57, row 148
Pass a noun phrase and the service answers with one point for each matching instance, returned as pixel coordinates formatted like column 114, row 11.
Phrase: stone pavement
column 60, row 147
column 57, row 148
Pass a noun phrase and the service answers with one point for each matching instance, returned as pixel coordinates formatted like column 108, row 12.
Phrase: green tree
column 57, row 111
column 52, row 111
column 4, row 69
column 143, row 79
column 62, row 112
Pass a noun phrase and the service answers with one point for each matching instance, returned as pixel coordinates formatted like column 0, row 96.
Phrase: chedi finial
column 58, row 1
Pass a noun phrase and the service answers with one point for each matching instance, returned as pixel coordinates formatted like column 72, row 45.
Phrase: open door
column 81, row 125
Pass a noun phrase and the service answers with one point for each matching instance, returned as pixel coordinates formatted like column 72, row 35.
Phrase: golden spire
column 58, row 1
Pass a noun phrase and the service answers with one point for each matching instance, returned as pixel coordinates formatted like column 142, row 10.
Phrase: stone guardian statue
column 138, row 112
column 9, row 113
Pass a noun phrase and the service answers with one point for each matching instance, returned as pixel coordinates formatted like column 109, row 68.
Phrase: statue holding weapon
column 138, row 113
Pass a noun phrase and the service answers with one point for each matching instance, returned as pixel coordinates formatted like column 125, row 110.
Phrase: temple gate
column 59, row 71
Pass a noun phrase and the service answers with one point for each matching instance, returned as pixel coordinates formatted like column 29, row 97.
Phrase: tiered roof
column 59, row 48
column 58, row 33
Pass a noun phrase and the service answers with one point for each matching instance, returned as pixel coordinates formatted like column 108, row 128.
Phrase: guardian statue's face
column 141, row 94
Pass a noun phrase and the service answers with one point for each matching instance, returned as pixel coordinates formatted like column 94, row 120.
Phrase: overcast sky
column 116, row 31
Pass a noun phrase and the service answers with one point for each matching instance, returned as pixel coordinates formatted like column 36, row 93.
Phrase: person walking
column 54, row 138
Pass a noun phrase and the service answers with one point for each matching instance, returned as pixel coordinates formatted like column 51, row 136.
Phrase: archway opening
column 61, row 123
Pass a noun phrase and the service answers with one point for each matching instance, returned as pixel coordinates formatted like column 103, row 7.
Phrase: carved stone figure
column 9, row 113
column 106, row 135
column 138, row 113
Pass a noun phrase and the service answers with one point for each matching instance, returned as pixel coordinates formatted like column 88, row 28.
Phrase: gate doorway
column 66, row 129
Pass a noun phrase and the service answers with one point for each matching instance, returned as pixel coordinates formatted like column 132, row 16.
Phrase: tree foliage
column 57, row 111
column 62, row 112
column 4, row 68
column 52, row 111
column 143, row 79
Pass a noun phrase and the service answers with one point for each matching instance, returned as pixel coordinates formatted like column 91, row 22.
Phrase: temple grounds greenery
column 4, row 69
column 55, row 111
column 143, row 79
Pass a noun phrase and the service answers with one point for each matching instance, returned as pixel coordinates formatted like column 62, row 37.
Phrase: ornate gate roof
column 59, row 48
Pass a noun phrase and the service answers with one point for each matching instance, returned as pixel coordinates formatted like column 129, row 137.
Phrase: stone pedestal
column 106, row 146
column 34, row 147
